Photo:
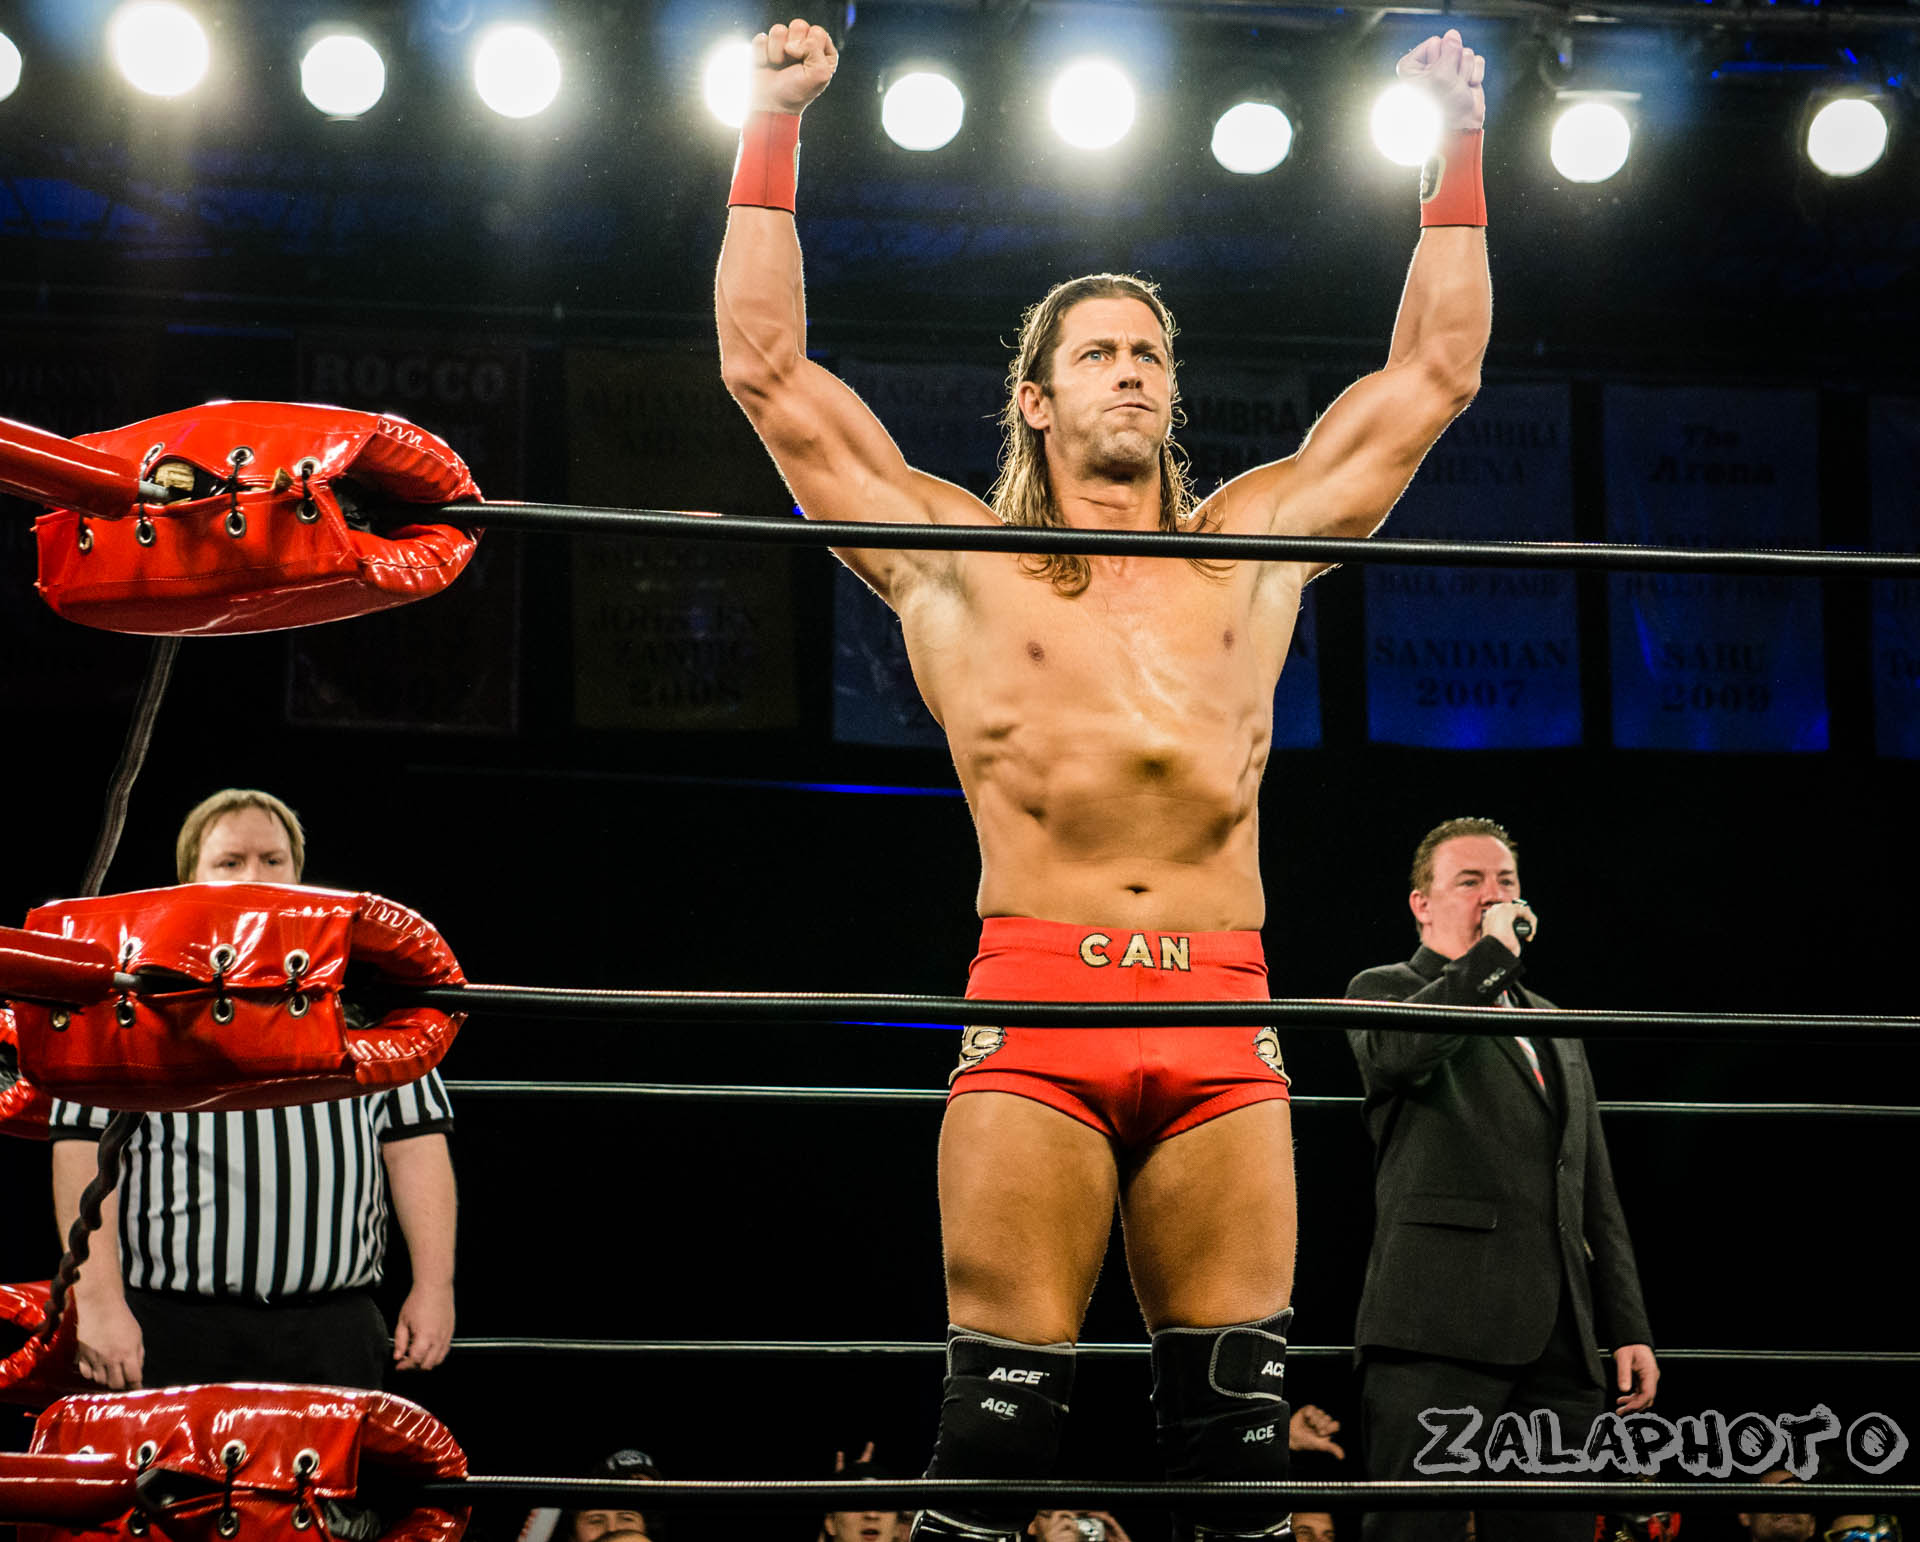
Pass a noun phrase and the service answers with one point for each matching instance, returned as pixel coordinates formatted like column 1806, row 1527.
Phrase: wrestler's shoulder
column 1247, row 504
column 948, row 503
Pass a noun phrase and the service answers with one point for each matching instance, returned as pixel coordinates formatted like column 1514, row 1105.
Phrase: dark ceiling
column 1718, row 247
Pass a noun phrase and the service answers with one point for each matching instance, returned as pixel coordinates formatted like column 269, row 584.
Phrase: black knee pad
column 1000, row 1417
column 1220, row 1411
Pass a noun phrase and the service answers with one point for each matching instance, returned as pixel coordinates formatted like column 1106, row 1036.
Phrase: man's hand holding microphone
column 1512, row 921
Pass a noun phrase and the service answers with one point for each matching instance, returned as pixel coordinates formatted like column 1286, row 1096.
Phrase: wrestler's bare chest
column 1149, row 639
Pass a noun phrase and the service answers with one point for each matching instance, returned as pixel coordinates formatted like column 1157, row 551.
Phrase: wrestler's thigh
column 1209, row 1219
column 1026, row 1203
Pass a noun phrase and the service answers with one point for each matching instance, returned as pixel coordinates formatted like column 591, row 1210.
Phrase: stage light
column 1252, row 137
column 726, row 82
column 922, row 110
column 159, row 47
column 516, row 71
column 9, row 67
column 343, row 75
column 1590, row 141
column 1406, row 124
column 1091, row 105
column 1847, row 136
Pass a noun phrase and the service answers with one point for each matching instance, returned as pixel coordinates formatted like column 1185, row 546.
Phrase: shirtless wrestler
column 1110, row 721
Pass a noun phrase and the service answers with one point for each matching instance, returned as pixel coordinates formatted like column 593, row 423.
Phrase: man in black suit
column 1499, row 1251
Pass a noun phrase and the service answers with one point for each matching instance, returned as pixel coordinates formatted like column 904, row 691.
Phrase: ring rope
column 133, row 756
column 681, row 1092
column 659, row 1006
column 114, row 1139
column 894, row 1348
column 867, row 1494
column 1580, row 555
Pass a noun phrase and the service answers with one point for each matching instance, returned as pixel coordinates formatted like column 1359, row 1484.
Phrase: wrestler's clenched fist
column 1453, row 72
column 792, row 64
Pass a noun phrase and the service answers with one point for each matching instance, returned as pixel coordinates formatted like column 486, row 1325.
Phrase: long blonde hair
column 1023, row 492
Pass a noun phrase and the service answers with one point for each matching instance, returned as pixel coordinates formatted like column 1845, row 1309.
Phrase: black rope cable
column 681, row 1092
column 113, row 821
column 819, row 1495
column 106, row 1177
column 910, row 1348
column 1578, row 555
column 133, row 755
column 652, row 1006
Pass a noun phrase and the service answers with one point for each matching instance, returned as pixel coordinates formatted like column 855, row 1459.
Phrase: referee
column 248, row 1243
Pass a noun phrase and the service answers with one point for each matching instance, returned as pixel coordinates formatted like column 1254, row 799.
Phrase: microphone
column 1522, row 928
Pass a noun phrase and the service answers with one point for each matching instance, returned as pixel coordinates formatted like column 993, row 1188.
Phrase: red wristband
column 1451, row 192
column 768, row 166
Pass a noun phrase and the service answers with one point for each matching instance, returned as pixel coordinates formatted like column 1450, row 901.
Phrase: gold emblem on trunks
column 975, row 1045
column 1266, row 1044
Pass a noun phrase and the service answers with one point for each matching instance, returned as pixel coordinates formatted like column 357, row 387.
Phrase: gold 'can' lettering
column 1173, row 953
column 1092, row 948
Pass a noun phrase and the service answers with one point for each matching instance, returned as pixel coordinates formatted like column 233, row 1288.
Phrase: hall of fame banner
column 450, row 664
column 944, row 418
column 1894, row 456
column 672, row 636
column 1237, row 419
column 1481, row 658
column 1707, row 661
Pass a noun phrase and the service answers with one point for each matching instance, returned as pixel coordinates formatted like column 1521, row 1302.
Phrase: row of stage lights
column 162, row 50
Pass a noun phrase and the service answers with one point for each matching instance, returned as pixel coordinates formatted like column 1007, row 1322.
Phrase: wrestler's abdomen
column 1112, row 745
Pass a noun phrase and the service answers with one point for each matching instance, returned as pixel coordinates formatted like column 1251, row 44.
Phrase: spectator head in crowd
column 1317, row 1459
column 602, row 1523
column 1076, row 1526
column 1649, row 1526
column 240, row 835
column 1778, row 1525
column 1860, row 1527
column 869, row 1525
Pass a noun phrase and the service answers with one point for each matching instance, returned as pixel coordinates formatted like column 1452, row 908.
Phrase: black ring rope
column 113, row 821
column 106, row 1177
column 894, row 1347
column 906, row 1348
column 133, row 755
column 1390, row 1494
column 681, row 1092
column 1577, row 555
column 652, row 1006
column 794, row 1348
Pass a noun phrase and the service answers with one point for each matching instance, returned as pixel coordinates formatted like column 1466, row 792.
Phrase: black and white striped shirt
column 265, row 1204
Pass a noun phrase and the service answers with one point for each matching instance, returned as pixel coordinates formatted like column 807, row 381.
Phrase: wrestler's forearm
column 1446, row 309
column 759, row 300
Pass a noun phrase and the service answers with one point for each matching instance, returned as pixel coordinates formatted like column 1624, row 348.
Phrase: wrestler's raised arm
column 839, row 461
column 1360, row 456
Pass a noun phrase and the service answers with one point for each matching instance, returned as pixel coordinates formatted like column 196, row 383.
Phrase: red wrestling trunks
column 1134, row 1085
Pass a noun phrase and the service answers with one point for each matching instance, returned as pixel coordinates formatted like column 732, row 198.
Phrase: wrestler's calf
column 1000, row 1417
column 1220, row 1410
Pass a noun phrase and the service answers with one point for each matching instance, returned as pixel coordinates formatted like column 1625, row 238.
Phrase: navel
column 1226, row 637
column 1035, row 652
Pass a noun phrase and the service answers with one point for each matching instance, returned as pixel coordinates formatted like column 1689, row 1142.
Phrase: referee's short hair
column 229, row 800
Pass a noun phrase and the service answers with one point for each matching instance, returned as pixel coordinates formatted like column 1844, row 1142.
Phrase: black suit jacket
column 1487, row 1193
